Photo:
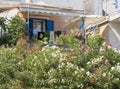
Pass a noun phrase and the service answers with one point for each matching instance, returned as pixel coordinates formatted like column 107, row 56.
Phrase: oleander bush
column 94, row 65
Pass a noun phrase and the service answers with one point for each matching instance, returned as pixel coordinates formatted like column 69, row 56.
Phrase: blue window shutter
column 31, row 27
column 49, row 25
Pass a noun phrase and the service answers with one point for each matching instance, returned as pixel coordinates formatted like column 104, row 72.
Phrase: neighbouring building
column 112, row 12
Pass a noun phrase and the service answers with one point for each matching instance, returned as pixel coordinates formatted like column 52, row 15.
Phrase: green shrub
column 52, row 68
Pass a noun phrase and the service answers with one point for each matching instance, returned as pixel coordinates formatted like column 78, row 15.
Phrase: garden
column 74, row 65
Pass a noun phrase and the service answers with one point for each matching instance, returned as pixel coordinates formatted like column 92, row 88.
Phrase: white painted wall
column 89, row 5
column 94, row 6
column 114, row 34
column 10, row 1
column 75, row 4
column 109, row 6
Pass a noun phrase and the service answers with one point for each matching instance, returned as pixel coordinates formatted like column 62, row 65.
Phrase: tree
column 15, row 28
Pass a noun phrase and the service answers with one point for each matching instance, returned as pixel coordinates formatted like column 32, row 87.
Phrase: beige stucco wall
column 60, row 21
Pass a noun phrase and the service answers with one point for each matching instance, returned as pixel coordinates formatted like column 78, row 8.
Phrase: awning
column 75, row 23
column 32, row 8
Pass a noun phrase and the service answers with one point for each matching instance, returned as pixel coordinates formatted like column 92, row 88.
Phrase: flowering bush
column 84, row 66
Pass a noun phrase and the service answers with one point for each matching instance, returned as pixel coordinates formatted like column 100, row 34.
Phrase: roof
column 33, row 8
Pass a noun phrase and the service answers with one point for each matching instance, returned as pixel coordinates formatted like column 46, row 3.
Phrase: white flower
column 101, row 57
column 10, row 49
column 101, row 49
column 97, row 60
column 61, row 65
column 69, row 64
column 115, row 49
column 112, row 68
column 62, row 59
column 54, row 55
column 22, row 61
column 35, row 57
column 43, row 49
column 52, row 80
column 104, row 74
column 63, row 81
column 80, row 86
column 50, row 71
column 76, row 72
column 117, row 79
column 109, row 47
column 57, row 52
column 118, row 68
column 61, row 55
column 54, row 47
column 78, row 75
column 88, row 63
column 118, row 64
column 82, row 69
column 35, row 64
column 45, row 42
column 88, row 73
column 77, row 68
column 46, row 59
column 119, row 51
column 19, row 63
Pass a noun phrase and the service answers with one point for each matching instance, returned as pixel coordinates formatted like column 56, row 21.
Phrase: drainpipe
column 28, row 16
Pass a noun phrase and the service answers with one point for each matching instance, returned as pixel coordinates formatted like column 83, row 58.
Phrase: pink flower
column 107, row 63
column 83, row 47
column 109, row 44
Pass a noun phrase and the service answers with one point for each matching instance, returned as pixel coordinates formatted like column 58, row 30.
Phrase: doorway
column 38, row 26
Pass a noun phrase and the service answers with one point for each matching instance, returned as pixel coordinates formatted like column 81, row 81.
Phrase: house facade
column 44, row 15
column 51, row 15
